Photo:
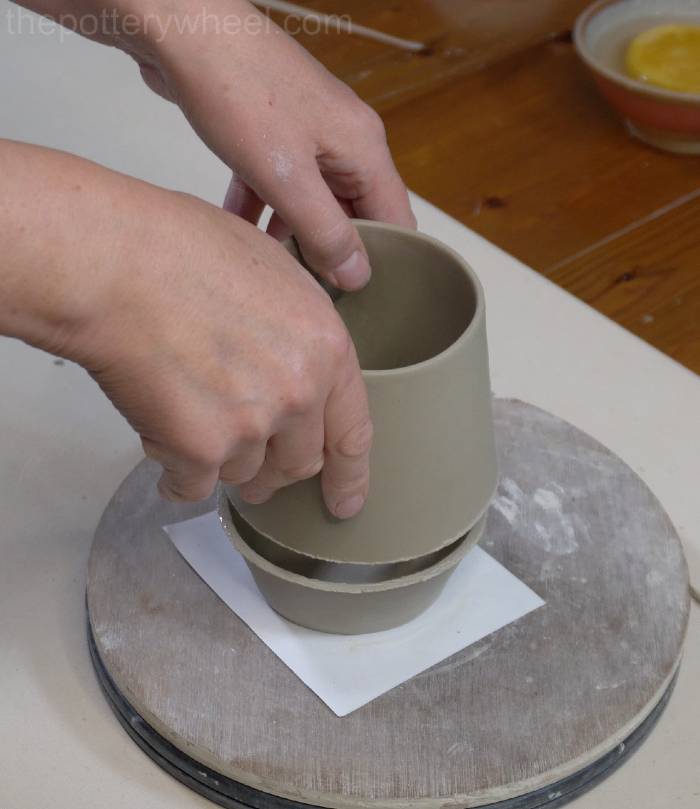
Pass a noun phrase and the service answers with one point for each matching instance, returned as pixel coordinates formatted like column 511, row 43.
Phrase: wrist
column 171, row 33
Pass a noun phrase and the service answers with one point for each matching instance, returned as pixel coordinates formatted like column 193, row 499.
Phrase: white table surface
column 63, row 450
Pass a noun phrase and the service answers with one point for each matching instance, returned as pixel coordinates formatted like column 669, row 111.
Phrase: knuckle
column 373, row 123
column 184, row 449
column 337, row 239
column 193, row 495
column 180, row 491
column 299, row 396
column 236, row 477
column 342, row 489
column 167, row 491
column 360, row 117
column 342, row 483
column 204, row 456
column 306, row 471
column 337, row 344
column 357, row 441
column 250, row 427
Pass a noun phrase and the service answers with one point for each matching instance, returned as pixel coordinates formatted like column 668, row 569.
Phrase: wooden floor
column 497, row 123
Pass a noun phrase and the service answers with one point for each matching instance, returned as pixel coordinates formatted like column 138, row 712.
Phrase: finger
column 244, row 464
column 187, row 485
column 383, row 197
column 182, row 479
column 294, row 454
column 278, row 228
column 348, row 439
column 345, row 204
column 329, row 241
column 243, row 201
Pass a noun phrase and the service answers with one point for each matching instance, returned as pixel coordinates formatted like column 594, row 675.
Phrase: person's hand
column 296, row 137
column 230, row 362
column 223, row 353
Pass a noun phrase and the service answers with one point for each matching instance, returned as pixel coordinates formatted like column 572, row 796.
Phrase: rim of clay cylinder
column 229, row 493
column 479, row 297
column 257, row 541
column 227, row 519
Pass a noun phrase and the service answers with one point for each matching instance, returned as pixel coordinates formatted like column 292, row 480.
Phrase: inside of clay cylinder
column 418, row 303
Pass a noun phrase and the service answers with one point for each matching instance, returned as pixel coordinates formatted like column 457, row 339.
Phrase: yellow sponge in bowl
column 667, row 56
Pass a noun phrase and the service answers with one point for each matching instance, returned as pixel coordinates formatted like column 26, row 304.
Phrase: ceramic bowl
column 420, row 332
column 663, row 118
column 339, row 607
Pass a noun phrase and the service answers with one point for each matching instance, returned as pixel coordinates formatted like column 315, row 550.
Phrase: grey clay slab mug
column 345, row 608
column 420, row 332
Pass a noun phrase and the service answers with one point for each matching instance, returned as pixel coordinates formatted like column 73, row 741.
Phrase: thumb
column 329, row 241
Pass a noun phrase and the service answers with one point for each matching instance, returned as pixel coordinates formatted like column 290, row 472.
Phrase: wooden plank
column 515, row 142
column 461, row 37
column 648, row 280
column 527, row 154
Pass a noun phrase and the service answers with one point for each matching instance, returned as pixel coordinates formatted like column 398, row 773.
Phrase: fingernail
column 350, row 507
column 353, row 273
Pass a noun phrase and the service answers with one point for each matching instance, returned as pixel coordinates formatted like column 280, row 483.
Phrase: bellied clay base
column 529, row 716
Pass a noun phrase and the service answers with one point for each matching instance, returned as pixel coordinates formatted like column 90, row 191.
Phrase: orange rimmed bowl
column 666, row 119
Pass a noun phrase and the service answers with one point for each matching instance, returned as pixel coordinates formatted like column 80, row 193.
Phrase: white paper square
column 348, row 671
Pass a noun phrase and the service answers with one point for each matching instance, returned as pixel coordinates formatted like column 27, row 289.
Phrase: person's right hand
column 230, row 361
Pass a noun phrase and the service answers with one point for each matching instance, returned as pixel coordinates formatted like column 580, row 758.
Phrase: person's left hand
column 296, row 137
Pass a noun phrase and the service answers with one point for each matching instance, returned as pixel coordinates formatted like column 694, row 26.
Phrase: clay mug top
column 420, row 333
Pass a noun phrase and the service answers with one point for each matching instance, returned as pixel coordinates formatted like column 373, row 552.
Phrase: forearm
column 65, row 227
column 143, row 27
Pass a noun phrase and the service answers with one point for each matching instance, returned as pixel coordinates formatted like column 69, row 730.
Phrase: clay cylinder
column 339, row 607
column 420, row 332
